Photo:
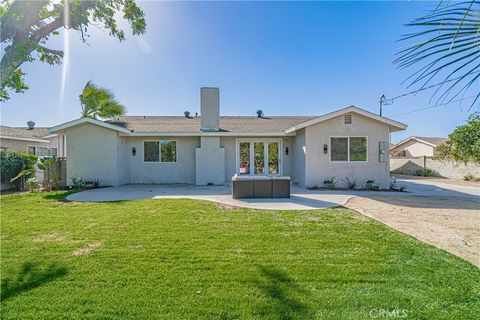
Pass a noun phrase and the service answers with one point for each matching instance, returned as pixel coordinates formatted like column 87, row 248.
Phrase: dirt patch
column 225, row 207
column 52, row 236
column 83, row 251
column 449, row 223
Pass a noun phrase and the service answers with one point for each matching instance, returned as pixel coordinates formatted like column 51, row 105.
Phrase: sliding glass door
column 259, row 157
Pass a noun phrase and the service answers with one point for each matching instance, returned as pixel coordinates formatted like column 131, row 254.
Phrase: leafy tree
column 464, row 142
column 27, row 25
column 447, row 49
column 99, row 102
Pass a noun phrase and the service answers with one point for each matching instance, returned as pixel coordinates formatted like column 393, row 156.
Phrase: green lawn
column 185, row 259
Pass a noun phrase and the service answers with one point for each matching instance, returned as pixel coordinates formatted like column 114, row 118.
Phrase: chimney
column 210, row 109
column 31, row 125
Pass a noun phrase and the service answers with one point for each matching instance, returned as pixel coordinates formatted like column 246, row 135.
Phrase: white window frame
column 348, row 149
column 159, row 150
column 265, row 156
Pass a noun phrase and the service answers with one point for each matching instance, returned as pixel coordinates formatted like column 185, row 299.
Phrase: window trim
column 348, row 149
column 159, row 151
column 252, row 155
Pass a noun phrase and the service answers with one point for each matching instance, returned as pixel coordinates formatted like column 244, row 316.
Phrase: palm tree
column 447, row 48
column 99, row 102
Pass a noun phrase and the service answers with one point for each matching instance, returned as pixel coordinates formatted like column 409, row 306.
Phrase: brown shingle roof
column 433, row 140
column 227, row 123
column 23, row 132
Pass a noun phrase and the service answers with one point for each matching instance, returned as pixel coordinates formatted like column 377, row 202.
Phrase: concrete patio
column 301, row 199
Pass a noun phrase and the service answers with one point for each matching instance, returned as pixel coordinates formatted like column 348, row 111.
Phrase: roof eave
column 25, row 139
column 393, row 125
column 76, row 122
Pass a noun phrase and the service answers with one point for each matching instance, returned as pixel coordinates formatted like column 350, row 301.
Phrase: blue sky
column 285, row 58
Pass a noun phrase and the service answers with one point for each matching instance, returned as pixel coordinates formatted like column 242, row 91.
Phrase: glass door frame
column 265, row 155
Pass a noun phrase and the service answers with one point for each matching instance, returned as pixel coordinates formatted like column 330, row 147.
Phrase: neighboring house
column 210, row 149
column 32, row 140
column 417, row 147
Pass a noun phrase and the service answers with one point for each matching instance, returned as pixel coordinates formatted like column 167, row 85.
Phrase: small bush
column 12, row 164
column 470, row 177
column 351, row 184
column 82, row 184
column 331, row 183
column 32, row 184
column 426, row 173
column 371, row 185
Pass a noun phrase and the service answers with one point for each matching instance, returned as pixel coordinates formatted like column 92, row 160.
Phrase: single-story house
column 208, row 149
column 32, row 140
column 417, row 147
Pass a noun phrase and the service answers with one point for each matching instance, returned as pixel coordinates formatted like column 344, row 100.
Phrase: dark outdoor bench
column 260, row 187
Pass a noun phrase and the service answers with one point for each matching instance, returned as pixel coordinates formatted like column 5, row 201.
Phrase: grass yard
column 185, row 259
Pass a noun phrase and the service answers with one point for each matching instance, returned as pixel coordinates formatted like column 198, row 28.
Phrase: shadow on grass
column 58, row 196
column 284, row 294
column 30, row 276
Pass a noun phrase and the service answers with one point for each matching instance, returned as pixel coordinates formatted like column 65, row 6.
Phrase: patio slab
column 301, row 198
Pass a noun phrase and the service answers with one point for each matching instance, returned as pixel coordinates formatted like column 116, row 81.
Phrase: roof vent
column 348, row 119
column 260, row 113
column 187, row 114
column 31, row 125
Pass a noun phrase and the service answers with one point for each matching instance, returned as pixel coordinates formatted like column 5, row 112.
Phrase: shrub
column 426, row 173
column 14, row 165
column 51, row 175
column 82, row 183
column 470, row 177
column 351, row 184
column 32, row 184
column 371, row 185
column 331, row 183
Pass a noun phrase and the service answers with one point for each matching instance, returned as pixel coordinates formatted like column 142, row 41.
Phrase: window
column 273, row 152
column 244, row 150
column 339, row 149
column 151, row 151
column 358, row 149
column 40, row 151
column 168, row 151
column 259, row 157
column 352, row 149
column 160, row 151
column 54, row 152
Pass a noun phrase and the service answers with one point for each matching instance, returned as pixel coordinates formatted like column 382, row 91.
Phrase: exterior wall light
column 286, row 151
column 134, row 151
column 325, row 148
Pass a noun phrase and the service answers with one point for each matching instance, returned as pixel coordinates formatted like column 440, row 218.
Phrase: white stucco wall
column 414, row 148
column 210, row 162
column 318, row 167
column 182, row 171
column 92, row 154
column 298, row 158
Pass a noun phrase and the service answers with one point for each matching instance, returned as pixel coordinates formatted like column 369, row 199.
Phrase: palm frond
column 446, row 45
column 99, row 102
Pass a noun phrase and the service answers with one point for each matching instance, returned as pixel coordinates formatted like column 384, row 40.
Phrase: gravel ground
column 449, row 223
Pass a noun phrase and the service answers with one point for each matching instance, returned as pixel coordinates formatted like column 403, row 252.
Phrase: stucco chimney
column 210, row 109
